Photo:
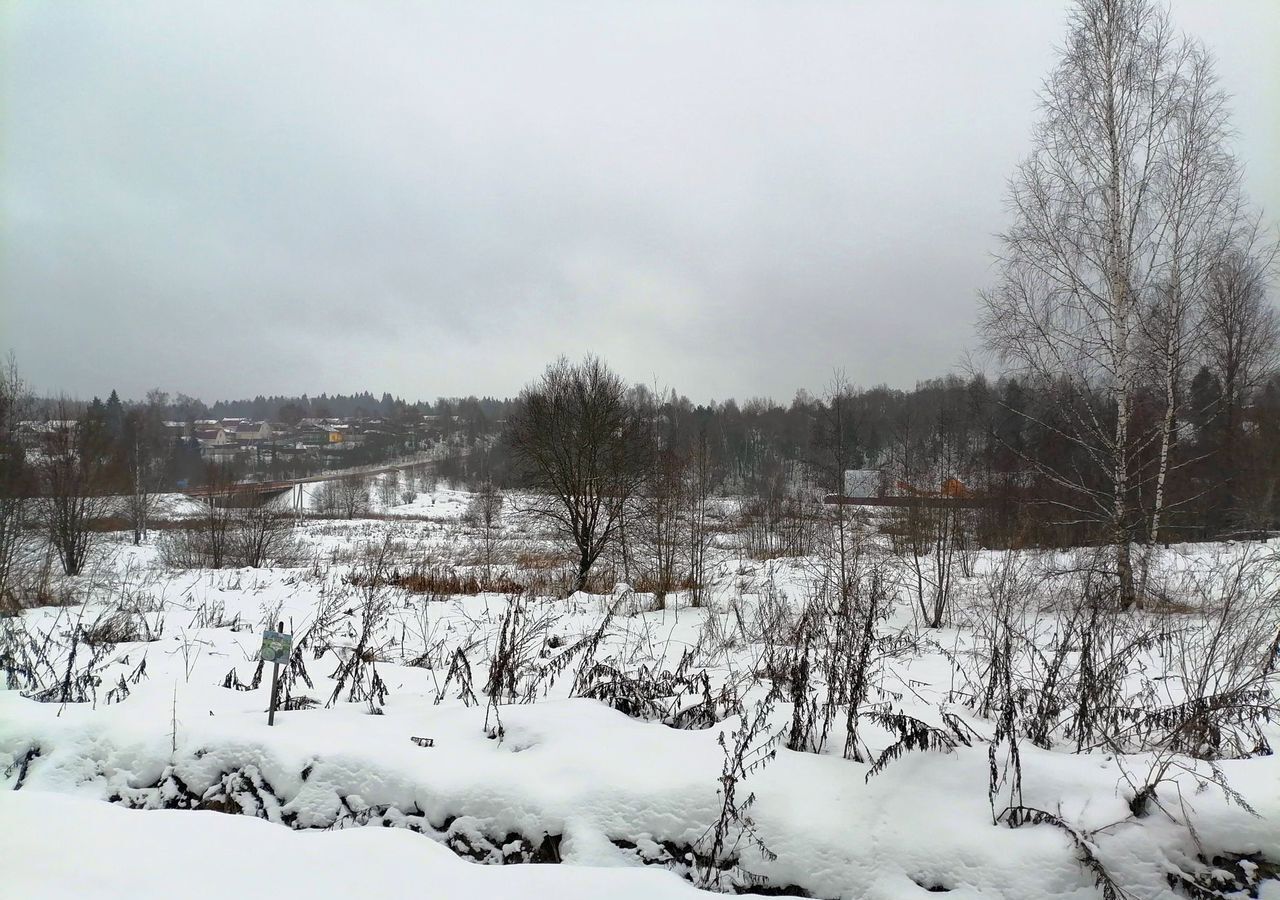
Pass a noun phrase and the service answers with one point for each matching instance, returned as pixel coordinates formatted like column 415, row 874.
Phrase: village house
column 253, row 433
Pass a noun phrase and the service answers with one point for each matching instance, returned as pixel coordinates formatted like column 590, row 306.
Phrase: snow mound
column 106, row 852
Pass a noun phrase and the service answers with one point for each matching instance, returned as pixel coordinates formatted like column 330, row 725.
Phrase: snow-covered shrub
column 717, row 856
column 357, row 670
column 53, row 667
column 345, row 497
column 263, row 536
column 1223, row 684
column 26, row 573
column 183, row 548
column 121, row 624
column 681, row 698
column 239, row 538
column 212, row 613
column 389, row 488
column 518, row 650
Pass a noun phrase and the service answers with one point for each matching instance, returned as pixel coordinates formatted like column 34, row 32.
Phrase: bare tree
column 15, row 481
column 263, row 535
column 389, row 488
column 353, row 494
column 836, row 445
column 347, row 496
column 1241, row 331
column 931, row 528
column 213, row 537
column 661, row 502
column 579, row 443
column 701, row 480
column 233, row 531
column 1090, row 244
column 1241, row 336
column 1198, row 192
column 484, row 512
column 73, row 484
column 147, row 450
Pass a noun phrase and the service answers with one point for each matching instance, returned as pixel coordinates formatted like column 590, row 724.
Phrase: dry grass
column 650, row 584
column 1162, row 605
column 121, row 524
column 444, row 582
column 540, row 560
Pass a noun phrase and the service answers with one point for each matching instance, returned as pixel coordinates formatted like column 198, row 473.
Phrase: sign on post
column 276, row 646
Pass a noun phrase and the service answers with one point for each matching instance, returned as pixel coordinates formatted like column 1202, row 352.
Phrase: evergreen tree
column 113, row 416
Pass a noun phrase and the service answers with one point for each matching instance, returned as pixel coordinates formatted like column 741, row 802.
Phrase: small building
column 866, row 483
column 213, row 437
column 252, row 433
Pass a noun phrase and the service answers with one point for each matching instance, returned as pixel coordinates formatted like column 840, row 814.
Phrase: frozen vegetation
column 800, row 730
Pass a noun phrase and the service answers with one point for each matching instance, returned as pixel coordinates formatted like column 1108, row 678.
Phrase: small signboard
column 275, row 647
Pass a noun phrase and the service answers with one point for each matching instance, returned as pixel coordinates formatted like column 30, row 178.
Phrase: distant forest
column 290, row 409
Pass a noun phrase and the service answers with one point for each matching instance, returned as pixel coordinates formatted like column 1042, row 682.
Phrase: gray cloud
column 732, row 199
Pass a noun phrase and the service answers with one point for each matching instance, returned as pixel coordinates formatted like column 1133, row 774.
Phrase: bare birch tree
column 1090, row 245
column 1198, row 191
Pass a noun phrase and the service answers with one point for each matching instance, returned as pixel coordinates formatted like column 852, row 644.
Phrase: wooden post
column 275, row 679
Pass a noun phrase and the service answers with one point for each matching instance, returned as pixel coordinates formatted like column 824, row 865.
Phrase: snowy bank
column 58, row 846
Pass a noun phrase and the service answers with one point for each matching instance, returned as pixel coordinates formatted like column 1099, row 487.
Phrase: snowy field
column 644, row 746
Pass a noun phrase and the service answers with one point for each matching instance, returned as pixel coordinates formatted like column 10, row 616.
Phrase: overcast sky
column 230, row 198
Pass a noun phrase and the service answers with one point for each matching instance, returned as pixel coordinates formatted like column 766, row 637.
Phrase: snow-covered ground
column 124, row 854
column 441, row 504
column 561, row 764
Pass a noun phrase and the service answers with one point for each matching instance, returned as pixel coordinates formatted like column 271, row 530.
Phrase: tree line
column 601, row 450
